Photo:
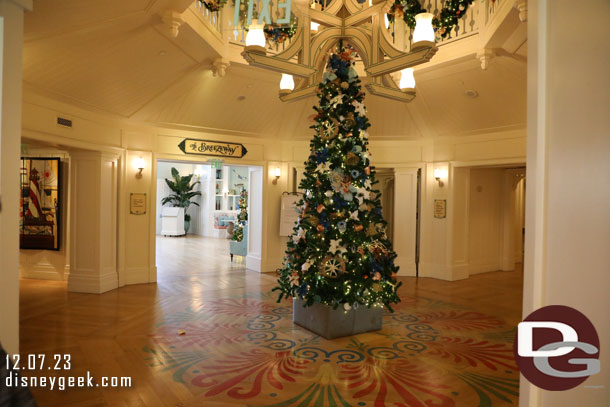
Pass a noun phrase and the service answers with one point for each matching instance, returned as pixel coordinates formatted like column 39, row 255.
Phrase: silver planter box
column 334, row 323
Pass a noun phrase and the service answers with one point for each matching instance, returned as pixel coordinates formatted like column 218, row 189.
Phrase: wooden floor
column 447, row 344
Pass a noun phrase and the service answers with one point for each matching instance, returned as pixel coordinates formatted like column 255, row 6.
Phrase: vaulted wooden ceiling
column 111, row 56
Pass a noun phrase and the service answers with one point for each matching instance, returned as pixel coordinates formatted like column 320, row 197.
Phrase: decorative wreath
column 213, row 5
column 332, row 266
column 280, row 33
column 330, row 129
column 443, row 22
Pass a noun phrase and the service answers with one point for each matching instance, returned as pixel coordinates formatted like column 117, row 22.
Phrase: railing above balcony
column 467, row 25
column 211, row 17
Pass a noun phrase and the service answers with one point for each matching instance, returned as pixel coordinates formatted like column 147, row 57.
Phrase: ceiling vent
column 63, row 122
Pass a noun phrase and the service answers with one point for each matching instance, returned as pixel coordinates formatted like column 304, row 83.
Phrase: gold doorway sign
column 137, row 203
column 440, row 208
column 212, row 148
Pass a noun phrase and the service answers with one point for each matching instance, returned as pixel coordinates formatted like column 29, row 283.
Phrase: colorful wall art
column 40, row 203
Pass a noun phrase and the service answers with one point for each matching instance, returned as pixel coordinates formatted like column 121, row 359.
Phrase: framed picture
column 40, row 203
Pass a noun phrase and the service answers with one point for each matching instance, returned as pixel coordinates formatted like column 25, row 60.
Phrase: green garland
column 213, row 5
column 443, row 22
column 242, row 217
column 280, row 33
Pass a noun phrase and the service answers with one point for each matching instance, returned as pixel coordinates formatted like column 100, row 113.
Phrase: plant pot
column 334, row 323
column 187, row 225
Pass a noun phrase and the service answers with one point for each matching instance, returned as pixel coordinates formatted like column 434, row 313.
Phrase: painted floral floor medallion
column 247, row 352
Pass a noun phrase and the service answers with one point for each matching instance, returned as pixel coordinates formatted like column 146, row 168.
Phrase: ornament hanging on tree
column 339, row 248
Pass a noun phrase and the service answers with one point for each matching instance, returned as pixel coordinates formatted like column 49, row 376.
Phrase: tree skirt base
column 335, row 323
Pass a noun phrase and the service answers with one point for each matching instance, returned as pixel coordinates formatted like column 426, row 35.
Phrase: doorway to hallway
column 495, row 217
column 218, row 225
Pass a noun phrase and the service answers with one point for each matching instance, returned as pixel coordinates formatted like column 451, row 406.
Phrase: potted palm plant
column 182, row 189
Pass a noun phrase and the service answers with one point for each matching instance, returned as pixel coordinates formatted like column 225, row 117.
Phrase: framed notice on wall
column 137, row 203
column 440, row 208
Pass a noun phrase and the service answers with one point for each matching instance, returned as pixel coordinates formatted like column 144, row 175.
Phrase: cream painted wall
column 485, row 220
column 51, row 264
column 136, row 262
column 567, row 260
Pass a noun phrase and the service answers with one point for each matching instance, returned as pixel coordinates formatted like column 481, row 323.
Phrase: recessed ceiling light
column 161, row 53
column 249, row 85
column 471, row 93
column 240, row 98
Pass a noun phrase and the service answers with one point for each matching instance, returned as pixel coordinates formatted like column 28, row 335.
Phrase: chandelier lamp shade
column 407, row 80
column 255, row 39
column 423, row 35
column 286, row 84
column 380, row 39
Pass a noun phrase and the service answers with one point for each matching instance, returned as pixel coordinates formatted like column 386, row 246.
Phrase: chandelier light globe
column 255, row 39
column 286, row 83
column 423, row 35
column 407, row 80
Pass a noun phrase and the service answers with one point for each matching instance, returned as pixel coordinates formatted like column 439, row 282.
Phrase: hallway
column 449, row 342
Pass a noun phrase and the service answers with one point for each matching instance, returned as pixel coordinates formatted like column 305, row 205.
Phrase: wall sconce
column 277, row 173
column 439, row 174
column 139, row 164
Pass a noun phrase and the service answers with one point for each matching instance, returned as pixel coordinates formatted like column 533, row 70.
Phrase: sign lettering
column 212, row 148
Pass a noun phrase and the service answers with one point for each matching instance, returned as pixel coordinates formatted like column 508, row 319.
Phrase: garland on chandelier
column 213, row 5
column 339, row 253
column 242, row 217
column 443, row 22
column 280, row 33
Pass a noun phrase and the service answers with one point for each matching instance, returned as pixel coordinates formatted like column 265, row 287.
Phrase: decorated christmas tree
column 242, row 217
column 339, row 254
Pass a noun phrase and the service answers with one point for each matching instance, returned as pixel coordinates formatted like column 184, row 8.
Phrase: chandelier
column 362, row 26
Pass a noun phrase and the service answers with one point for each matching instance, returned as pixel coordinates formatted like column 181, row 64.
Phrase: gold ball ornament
column 352, row 159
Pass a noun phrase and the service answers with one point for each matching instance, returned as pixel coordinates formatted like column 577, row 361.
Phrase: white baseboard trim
column 271, row 267
column 442, row 272
column 406, row 269
column 87, row 281
column 45, row 272
column 483, row 268
column 253, row 262
column 136, row 275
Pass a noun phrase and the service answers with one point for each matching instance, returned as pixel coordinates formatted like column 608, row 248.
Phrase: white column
column 405, row 219
column 255, row 218
column 93, row 234
column 567, row 260
column 509, row 218
column 458, row 220
column 11, row 47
